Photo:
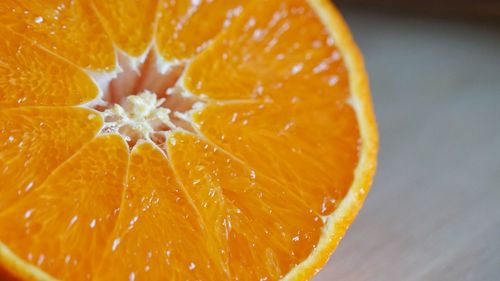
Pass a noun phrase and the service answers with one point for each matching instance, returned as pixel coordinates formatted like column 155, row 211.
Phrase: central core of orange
column 143, row 101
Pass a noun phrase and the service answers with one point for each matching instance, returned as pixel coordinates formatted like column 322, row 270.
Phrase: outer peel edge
column 338, row 222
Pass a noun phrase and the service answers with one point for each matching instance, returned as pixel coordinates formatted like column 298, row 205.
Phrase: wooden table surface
column 434, row 209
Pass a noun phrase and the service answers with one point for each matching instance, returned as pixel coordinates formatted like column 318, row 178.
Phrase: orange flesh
column 271, row 152
column 62, row 27
column 183, row 28
column 135, row 36
column 275, row 50
column 62, row 225
column 291, row 148
column 31, row 76
column 157, row 225
column 253, row 221
column 34, row 141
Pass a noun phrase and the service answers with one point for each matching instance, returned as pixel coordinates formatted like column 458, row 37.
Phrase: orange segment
column 274, row 50
column 130, row 23
column 184, row 28
column 31, row 76
column 35, row 141
column 157, row 226
column 63, row 225
column 252, row 221
column 68, row 28
column 311, row 147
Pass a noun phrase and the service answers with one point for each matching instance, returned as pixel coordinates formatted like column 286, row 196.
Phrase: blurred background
column 434, row 209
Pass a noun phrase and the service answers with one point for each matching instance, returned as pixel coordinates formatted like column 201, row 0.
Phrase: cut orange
column 179, row 140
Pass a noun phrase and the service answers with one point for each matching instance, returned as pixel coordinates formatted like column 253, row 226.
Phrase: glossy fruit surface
column 187, row 140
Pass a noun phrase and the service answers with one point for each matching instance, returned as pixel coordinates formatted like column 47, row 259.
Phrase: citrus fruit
column 179, row 140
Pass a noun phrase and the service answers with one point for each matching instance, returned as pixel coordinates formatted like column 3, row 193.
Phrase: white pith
column 154, row 104
column 142, row 115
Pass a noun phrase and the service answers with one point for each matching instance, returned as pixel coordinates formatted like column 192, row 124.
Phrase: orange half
column 179, row 140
